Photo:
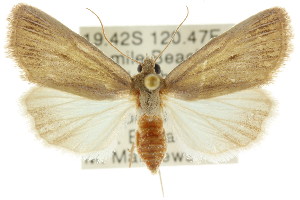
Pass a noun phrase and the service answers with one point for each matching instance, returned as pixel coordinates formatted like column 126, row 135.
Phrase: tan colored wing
column 243, row 57
column 52, row 55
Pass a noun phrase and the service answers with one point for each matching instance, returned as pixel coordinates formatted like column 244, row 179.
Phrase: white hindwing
column 74, row 122
column 213, row 129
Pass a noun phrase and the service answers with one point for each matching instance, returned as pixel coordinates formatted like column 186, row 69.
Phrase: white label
column 138, row 42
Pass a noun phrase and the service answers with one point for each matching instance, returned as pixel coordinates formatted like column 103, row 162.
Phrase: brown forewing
column 52, row 55
column 244, row 57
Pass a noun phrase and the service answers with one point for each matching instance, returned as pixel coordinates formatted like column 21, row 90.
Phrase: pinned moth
column 211, row 102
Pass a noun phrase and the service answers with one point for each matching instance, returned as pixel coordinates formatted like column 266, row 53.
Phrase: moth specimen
column 211, row 102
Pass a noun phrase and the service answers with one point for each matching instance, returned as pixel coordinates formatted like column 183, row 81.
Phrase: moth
column 212, row 102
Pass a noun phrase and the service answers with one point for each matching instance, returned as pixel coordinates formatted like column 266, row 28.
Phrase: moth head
column 149, row 66
column 156, row 68
column 149, row 72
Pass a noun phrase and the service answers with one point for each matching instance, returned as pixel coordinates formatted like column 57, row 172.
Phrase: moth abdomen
column 151, row 141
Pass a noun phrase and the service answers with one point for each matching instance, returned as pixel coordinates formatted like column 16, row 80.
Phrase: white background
column 269, row 170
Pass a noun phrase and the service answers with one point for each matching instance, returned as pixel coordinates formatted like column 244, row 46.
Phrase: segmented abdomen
column 151, row 141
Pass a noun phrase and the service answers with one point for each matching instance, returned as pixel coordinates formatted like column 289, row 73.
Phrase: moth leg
column 131, row 154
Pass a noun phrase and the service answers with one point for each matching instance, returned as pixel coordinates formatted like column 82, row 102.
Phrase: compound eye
column 139, row 69
column 157, row 69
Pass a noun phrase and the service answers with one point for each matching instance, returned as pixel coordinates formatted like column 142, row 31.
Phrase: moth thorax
column 152, row 81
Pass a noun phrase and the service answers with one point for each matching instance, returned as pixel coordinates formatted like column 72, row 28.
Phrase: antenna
column 103, row 32
column 172, row 38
